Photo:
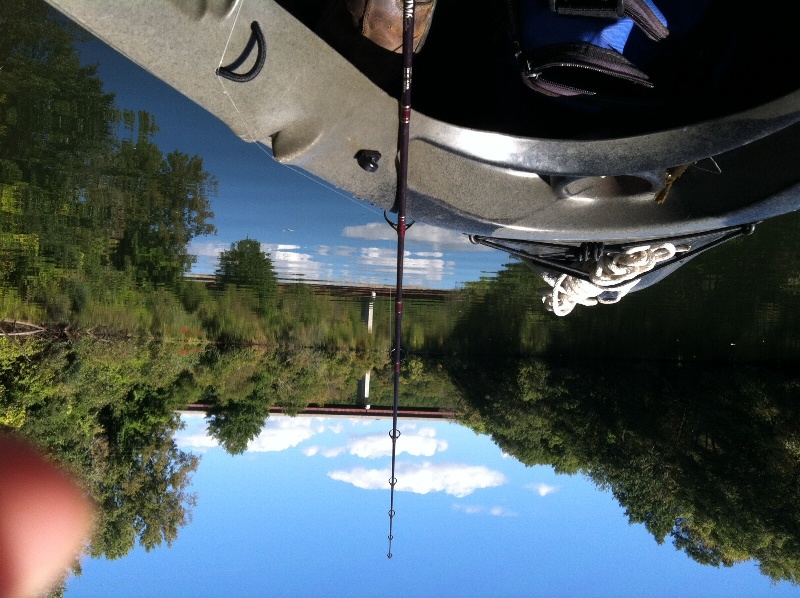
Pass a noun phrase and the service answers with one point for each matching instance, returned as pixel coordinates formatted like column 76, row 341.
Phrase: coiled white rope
column 610, row 270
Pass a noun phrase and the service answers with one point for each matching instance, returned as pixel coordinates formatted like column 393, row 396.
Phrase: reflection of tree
column 706, row 455
column 244, row 264
column 89, row 205
column 163, row 206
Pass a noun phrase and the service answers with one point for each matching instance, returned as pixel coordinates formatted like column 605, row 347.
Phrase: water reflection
column 672, row 401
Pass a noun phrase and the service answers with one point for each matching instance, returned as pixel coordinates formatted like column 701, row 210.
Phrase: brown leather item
column 381, row 21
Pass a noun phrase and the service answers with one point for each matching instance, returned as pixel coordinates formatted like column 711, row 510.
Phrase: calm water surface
column 171, row 296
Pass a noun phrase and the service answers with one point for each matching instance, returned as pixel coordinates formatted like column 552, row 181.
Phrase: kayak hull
column 313, row 109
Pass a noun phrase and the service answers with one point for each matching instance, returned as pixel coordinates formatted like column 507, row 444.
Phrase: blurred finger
column 44, row 520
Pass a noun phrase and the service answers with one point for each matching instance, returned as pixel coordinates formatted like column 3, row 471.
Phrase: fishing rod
column 400, row 227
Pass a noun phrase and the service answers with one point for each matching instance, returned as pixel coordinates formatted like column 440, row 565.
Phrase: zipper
column 644, row 17
column 638, row 11
column 577, row 56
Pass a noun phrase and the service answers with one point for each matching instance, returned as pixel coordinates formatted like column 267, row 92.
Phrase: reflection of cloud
column 310, row 451
column 339, row 250
column 380, row 258
column 452, row 478
column 419, row 233
column 272, row 248
column 421, row 444
column 542, row 489
column 207, row 248
column 333, row 452
column 207, row 253
column 289, row 262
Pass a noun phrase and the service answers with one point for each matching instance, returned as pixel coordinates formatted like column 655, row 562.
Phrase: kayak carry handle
column 256, row 39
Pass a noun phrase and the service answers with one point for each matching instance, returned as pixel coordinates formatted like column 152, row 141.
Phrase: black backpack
column 603, row 48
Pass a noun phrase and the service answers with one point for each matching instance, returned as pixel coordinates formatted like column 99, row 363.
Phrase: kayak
column 471, row 168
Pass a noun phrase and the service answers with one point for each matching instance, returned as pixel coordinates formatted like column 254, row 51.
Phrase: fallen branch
column 9, row 328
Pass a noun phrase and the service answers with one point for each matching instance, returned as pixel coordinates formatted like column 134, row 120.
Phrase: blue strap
column 542, row 27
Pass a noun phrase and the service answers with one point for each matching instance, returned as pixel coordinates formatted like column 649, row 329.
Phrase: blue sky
column 304, row 513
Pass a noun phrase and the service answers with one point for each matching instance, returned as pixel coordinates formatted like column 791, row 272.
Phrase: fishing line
column 230, row 35
column 260, row 145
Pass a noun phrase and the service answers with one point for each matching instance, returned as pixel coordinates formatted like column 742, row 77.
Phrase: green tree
column 704, row 455
column 235, row 424
column 143, row 495
column 106, row 411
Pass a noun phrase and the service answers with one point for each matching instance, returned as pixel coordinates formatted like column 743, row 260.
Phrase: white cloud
column 421, row 444
column 333, row 452
column 478, row 509
column 501, row 512
column 468, row 509
column 199, row 442
column 281, row 433
column 336, row 428
column 455, row 479
column 542, row 489
column 278, row 434
column 193, row 436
